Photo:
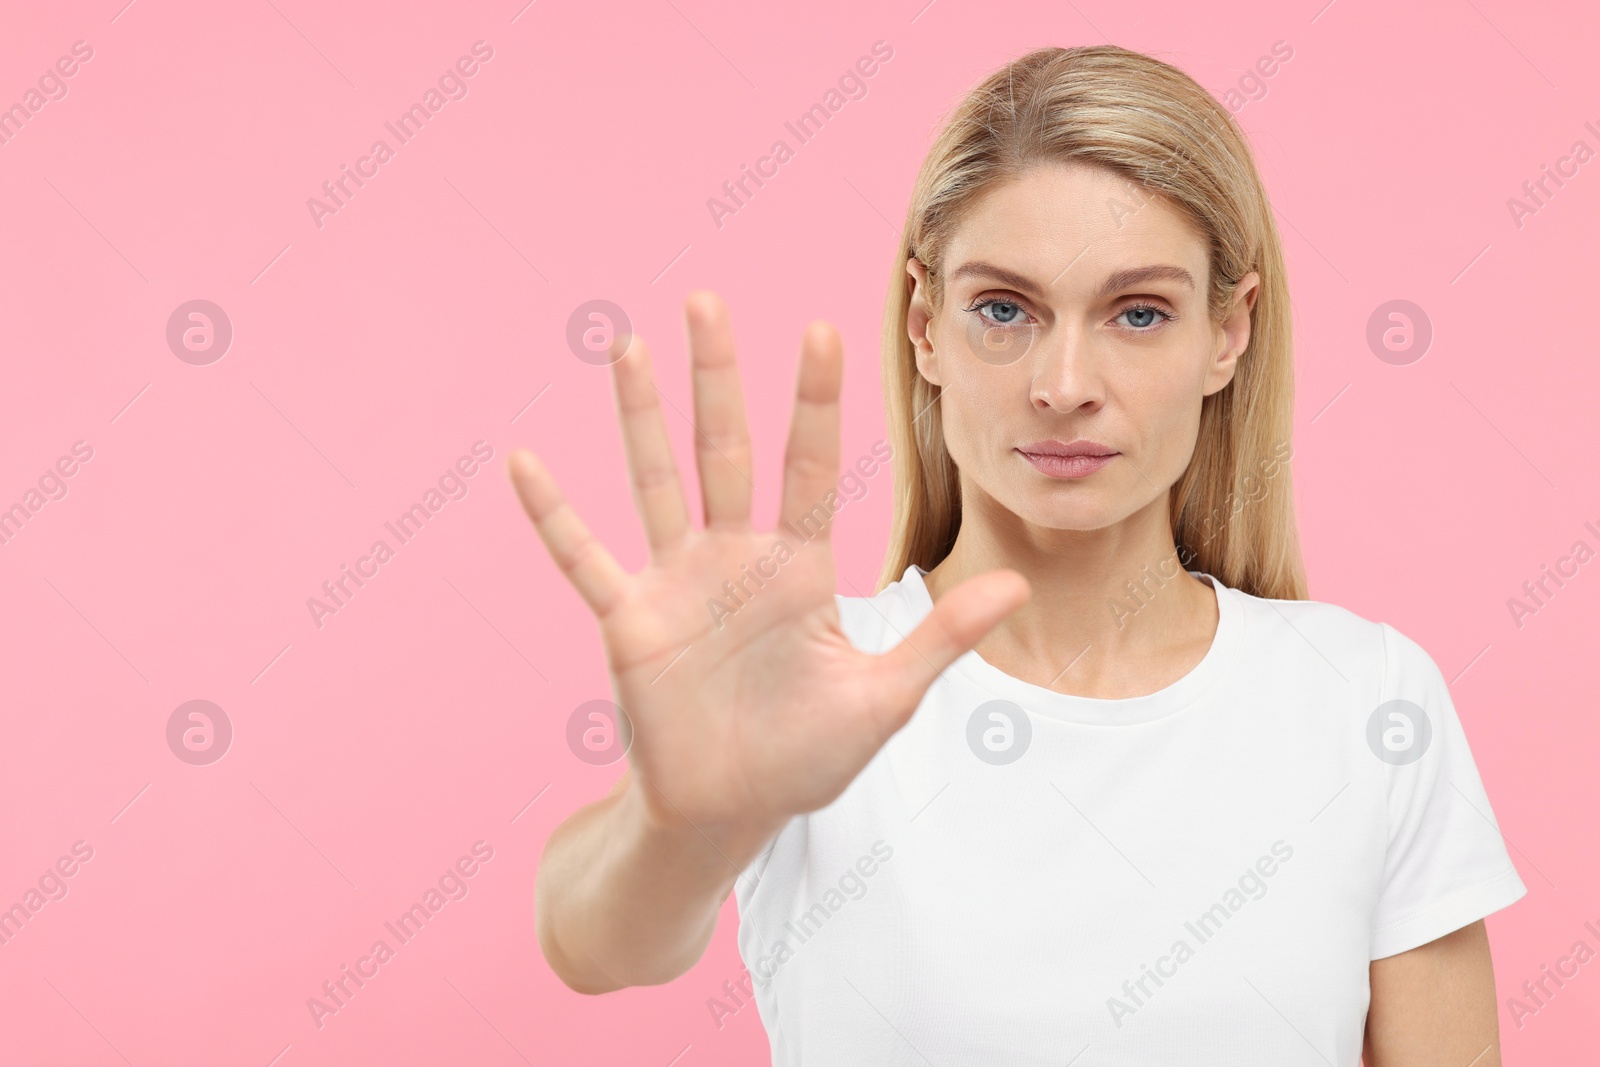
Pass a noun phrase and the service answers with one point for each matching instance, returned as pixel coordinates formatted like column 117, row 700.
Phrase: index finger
column 592, row 570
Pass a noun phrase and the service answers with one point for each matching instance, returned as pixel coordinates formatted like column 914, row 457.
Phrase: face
column 1074, row 321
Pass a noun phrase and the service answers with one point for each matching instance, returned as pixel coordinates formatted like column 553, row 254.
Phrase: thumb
column 958, row 621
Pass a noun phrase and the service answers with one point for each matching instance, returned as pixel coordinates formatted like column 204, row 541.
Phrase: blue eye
column 1142, row 317
column 1002, row 312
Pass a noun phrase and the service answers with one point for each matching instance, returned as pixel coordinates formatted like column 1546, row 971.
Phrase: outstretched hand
column 770, row 712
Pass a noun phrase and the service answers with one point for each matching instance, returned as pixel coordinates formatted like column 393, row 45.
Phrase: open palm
column 768, row 712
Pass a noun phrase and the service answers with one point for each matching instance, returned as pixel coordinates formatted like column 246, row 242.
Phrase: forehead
column 1059, row 216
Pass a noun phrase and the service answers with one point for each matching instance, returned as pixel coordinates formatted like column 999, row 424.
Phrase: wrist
column 721, row 849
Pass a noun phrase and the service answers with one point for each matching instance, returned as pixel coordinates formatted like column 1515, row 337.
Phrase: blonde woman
column 1088, row 779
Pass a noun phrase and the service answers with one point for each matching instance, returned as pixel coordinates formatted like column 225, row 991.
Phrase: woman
column 1088, row 780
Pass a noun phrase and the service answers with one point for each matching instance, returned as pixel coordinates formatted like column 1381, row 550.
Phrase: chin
column 1068, row 507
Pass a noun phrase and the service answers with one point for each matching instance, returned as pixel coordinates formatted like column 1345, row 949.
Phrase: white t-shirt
column 1199, row 876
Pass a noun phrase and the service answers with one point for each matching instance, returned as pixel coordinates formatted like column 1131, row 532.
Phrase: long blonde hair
column 1155, row 126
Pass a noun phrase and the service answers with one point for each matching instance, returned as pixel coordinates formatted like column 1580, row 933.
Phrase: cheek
column 1170, row 425
column 978, row 403
column 1172, row 402
column 956, row 425
column 1161, row 396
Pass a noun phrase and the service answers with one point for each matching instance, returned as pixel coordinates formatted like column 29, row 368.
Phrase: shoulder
column 1312, row 617
column 1317, row 635
column 1298, row 632
column 1307, row 638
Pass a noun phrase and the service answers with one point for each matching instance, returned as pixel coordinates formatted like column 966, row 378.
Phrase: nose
column 1066, row 374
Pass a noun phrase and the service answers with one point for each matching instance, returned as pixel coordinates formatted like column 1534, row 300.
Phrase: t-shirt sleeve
column 1446, row 865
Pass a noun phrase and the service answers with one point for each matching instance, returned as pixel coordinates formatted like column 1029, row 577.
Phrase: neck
column 1113, row 612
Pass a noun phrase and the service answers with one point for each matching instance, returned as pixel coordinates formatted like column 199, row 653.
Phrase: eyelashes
column 1166, row 316
column 981, row 305
column 1024, row 319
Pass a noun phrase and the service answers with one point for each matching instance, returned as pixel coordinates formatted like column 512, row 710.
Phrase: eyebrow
column 1122, row 279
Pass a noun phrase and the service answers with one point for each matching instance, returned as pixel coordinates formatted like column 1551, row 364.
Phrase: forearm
column 623, row 899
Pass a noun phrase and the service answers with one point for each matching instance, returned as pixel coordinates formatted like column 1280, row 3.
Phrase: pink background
column 370, row 353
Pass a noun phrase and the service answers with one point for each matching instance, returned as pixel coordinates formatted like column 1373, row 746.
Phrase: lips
column 1071, row 459
column 1080, row 447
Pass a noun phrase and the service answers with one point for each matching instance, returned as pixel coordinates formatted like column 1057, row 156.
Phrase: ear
column 919, row 317
column 1234, row 334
